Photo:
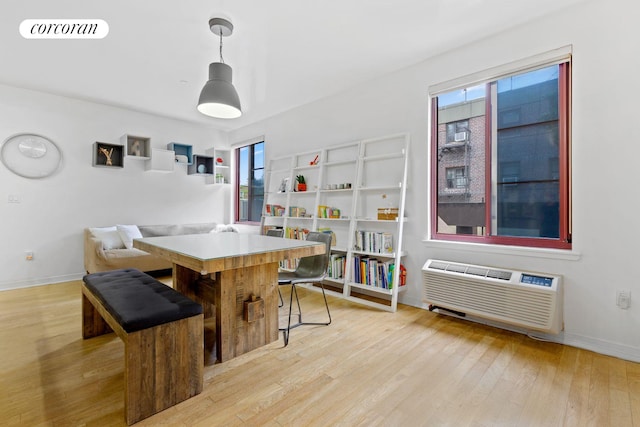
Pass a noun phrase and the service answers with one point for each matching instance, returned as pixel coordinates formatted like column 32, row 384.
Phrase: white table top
column 223, row 245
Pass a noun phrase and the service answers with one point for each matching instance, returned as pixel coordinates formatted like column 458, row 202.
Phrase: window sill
column 556, row 254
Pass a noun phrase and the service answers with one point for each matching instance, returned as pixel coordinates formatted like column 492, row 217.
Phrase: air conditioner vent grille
column 471, row 270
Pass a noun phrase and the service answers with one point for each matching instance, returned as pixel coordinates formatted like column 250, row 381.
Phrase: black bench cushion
column 138, row 301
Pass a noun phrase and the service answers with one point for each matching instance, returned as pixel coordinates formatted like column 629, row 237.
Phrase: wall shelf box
column 221, row 166
column 357, row 192
column 201, row 165
column 161, row 160
column 137, row 147
column 183, row 153
column 108, row 155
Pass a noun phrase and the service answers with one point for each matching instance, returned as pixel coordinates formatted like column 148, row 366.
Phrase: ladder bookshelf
column 356, row 191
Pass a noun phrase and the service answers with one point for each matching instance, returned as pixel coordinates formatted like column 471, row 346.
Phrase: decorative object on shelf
column 218, row 97
column 314, row 161
column 202, row 169
column 219, row 178
column 388, row 214
column 181, row 158
column 136, row 148
column 219, row 161
column 302, row 185
column 109, row 155
column 283, row 185
column 31, row 156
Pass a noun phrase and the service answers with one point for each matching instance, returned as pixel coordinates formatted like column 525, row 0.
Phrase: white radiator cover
column 525, row 299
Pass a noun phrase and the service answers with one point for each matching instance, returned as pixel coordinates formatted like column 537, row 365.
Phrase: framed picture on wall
column 108, row 155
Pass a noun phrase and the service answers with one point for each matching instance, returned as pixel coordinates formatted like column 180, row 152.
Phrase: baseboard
column 39, row 281
column 608, row 348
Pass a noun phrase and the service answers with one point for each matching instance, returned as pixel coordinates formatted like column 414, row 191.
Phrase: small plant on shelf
column 302, row 185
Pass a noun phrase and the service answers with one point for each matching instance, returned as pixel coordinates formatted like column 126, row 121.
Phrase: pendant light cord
column 221, row 58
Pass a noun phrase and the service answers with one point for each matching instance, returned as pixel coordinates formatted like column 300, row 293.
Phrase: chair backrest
column 315, row 265
column 275, row 232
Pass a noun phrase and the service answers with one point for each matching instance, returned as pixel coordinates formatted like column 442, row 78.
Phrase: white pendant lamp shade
column 218, row 97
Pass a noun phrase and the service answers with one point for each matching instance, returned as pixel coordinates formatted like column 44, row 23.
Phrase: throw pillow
column 128, row 233
column 109, row 237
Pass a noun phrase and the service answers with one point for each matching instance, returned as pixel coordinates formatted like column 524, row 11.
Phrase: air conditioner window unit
column 525, row 299
column 460, row 136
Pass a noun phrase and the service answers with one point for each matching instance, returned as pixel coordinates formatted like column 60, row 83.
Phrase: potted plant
column 302, row 185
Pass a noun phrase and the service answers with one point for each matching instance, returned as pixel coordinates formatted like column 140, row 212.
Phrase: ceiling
column 284, row 53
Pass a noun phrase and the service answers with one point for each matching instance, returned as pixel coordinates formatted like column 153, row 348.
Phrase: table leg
column 234, row 335
column 195, row 286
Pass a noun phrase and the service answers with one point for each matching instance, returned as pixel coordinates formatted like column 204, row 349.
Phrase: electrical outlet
column 623, row 299
column 28, row 255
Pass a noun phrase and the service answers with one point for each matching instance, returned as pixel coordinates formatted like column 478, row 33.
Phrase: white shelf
column 378, row 254
column 370, row 288
column 382, row 221
column 303, row 193
column 304, row 168
column 390, row 156
column 382, row 188
column 354, row 163
column 161, row 160
column 337, row 190
column 340, row 163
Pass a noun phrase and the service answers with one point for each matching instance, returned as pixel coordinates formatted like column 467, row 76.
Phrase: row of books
column 328, row 212
column 297, row 211
column 337, row 265
column 374, row 241
column 373, row 272
column 298, row 233
column 273, row 210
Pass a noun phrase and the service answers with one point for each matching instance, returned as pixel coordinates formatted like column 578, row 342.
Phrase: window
column 456, row 178
column 250, row 182
column 506, row 143
column 457, row 131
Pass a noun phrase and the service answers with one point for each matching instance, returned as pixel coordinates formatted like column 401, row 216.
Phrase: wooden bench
column 162, row 332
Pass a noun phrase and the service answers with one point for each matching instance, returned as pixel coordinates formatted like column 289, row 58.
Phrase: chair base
column 286, row 331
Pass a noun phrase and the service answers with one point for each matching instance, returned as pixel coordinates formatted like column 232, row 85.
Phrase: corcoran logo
column 64, row 29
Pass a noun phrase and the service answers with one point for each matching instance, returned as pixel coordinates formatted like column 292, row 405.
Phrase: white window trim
column 556, row 254
column 541, row 60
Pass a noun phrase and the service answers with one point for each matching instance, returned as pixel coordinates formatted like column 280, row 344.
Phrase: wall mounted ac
column 524, row 299
column 460, row 136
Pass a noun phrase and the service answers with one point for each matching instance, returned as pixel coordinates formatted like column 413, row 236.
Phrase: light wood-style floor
column 368, row 368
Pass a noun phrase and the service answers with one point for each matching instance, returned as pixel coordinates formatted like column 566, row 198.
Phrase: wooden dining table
column 235, row 277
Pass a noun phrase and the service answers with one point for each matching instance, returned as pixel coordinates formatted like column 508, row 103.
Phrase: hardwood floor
column 369, row 368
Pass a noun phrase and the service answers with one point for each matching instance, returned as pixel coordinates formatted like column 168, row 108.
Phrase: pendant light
column 218, row 97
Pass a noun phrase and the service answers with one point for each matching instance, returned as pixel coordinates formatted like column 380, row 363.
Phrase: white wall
column 53, row 211
column 606, row 150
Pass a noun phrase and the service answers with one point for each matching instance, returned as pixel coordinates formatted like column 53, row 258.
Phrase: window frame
column 564, row 160
column 250, row 186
